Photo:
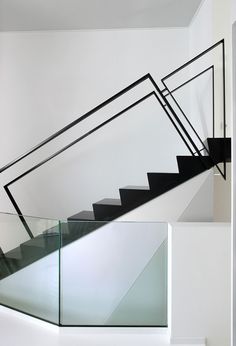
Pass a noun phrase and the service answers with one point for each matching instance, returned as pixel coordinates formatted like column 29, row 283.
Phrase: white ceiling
column 94, row 14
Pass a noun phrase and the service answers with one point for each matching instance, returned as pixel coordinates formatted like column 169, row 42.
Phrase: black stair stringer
column 133, row 196
column 106, row 210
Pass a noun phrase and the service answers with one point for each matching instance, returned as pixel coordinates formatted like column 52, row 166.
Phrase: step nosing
column 109, row 202
column 133, row 187
column 84, row 215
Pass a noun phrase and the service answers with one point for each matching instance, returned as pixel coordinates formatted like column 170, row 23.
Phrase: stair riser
column 80, row 229
column 14, row 264
column 84, row 215
column 220, row 149
column 32, row 252
column 4, row 268
column 106, row 212
column 192, row 166
column 159, row 189
column 131, row 197
column 109, row 209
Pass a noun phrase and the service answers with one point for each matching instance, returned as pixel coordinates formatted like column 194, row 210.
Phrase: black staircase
column 215, row 151
column 133, row 196
column 105, row 210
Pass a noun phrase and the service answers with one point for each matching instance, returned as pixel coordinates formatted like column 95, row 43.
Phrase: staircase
column 109, row 209
column 133, row 196
column 215, row 151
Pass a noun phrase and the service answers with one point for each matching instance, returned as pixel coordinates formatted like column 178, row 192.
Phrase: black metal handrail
column 198, row 56
column 75, row 122
column 221, row 42
column 117, row 95
column 158, row 94
column 153, row 93
column 170, row 93
column 166, row 92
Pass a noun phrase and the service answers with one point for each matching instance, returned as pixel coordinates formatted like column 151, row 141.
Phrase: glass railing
column 85, row 273
column 29, row 268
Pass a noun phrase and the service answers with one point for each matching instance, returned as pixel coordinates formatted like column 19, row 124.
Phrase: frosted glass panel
column 146, row 301
column 85, row 273
column 115, row 275
column 29, row 268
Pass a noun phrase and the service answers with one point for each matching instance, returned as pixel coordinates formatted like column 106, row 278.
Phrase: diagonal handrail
column 166, row 92
column 6, row 187
column 170, row 93
column 159, row 96
column 188, row 81
column 75, row 122
column 115, row 96
column 198, row 56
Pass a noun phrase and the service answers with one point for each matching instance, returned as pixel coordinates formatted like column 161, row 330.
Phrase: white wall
column 200, row 282
column 233, row 11
column 200, row 38
column 200, row 29
column 212, row 23
column 50, row 78
column 222, row 195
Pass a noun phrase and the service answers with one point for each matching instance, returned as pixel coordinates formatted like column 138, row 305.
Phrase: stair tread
column 109, row 201
column 188, row 157
column 219, row 139
column 174, row 174
column 133, row 187
column 108, row 209
column 82, row 215
column 165, row 176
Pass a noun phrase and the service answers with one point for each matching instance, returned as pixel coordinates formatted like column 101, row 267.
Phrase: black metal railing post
column 221, row 42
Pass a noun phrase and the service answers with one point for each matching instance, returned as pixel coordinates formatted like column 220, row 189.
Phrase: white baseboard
column 187, row 341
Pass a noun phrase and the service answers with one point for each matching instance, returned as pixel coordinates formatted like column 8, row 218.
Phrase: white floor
column 17, row 329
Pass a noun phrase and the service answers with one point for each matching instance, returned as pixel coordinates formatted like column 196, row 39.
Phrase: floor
column 17, row 329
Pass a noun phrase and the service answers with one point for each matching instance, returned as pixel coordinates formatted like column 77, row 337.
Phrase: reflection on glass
column 116, row 275
column 29, row 268
column 111, row 274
